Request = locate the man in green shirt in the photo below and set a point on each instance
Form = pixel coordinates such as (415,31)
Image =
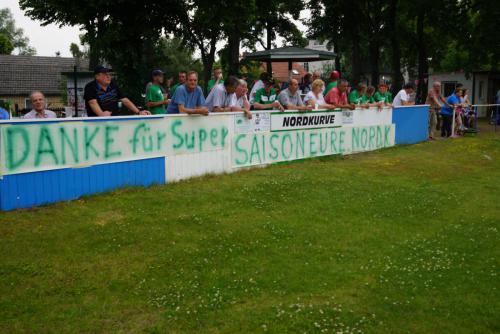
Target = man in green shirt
(383,95)
(182,81)
(266,98)
(155,100)
(334,78)
(216,80)
(358,97)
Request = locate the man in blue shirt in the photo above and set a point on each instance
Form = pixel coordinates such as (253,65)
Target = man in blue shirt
(4,114)
(447,112)
(188,98)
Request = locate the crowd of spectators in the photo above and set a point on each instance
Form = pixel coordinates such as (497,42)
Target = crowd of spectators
(104,98)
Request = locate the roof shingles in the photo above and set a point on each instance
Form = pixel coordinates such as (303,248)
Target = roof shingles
(20,75)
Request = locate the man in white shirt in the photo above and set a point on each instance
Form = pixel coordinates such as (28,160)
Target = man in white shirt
(403,98)
(39,111)
(240,100)
(221,97)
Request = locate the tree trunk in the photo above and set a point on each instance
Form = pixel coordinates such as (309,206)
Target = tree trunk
(234,53)
(337,56)
(269,46)
(374,60)
(423,66)
(356,59)
(208,60)
(397,78)
(93,47)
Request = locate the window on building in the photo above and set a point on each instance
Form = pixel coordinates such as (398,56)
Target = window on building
(306,67)
(27,104)
(448,87)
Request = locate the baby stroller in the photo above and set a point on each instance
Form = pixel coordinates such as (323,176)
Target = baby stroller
(469,116)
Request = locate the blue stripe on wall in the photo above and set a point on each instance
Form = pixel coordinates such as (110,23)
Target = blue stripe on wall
(411,124)
(31,189)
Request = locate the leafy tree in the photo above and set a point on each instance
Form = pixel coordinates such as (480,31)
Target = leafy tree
(477,45)
(129,43)
(6,46)
(19,42)
(273,19)
(175,56)
(201,29)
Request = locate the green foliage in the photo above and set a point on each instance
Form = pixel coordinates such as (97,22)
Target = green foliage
(410,35)
(384,242)
(18,41)
(175,56)
(75,51)
(6,46)
(6,104)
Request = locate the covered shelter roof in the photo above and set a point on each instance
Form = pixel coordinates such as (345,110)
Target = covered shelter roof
(290,54)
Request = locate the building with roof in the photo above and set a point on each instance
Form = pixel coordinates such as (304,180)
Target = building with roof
(323,65)
(482,86)
(21,75)
(280,71)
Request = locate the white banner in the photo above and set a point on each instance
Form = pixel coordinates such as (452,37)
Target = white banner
(42,146)
(266,148)
(305,120)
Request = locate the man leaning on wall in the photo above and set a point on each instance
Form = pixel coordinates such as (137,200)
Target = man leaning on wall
(102,96)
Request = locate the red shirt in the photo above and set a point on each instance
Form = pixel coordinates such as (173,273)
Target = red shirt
(335,97)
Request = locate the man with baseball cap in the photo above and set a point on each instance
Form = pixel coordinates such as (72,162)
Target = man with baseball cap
(155,100)
(334,77)
(102,96)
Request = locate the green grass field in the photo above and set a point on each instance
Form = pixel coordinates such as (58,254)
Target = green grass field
(403,240)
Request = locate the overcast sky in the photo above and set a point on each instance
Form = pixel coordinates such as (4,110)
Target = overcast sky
(46,40)
(50,39)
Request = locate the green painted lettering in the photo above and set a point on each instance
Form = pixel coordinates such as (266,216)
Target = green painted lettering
(213,137)
(88,141)
(109,140)
(255,151)
(241,150)
(189,145)
(160,136)
(72,144)
(274,154)
(300,139)
(341,142)
(379,137)
(224,132)
(290,146)
(202,136)
(13,143)
(173,128)
(355,139)
(322,148)
(371,141)
(364,138)
(312,144)
(45,139)
(387,131)
(333,141)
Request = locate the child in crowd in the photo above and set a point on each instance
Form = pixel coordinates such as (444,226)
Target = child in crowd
(383,95)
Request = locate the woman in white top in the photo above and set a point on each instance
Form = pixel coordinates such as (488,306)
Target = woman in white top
(315,96)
